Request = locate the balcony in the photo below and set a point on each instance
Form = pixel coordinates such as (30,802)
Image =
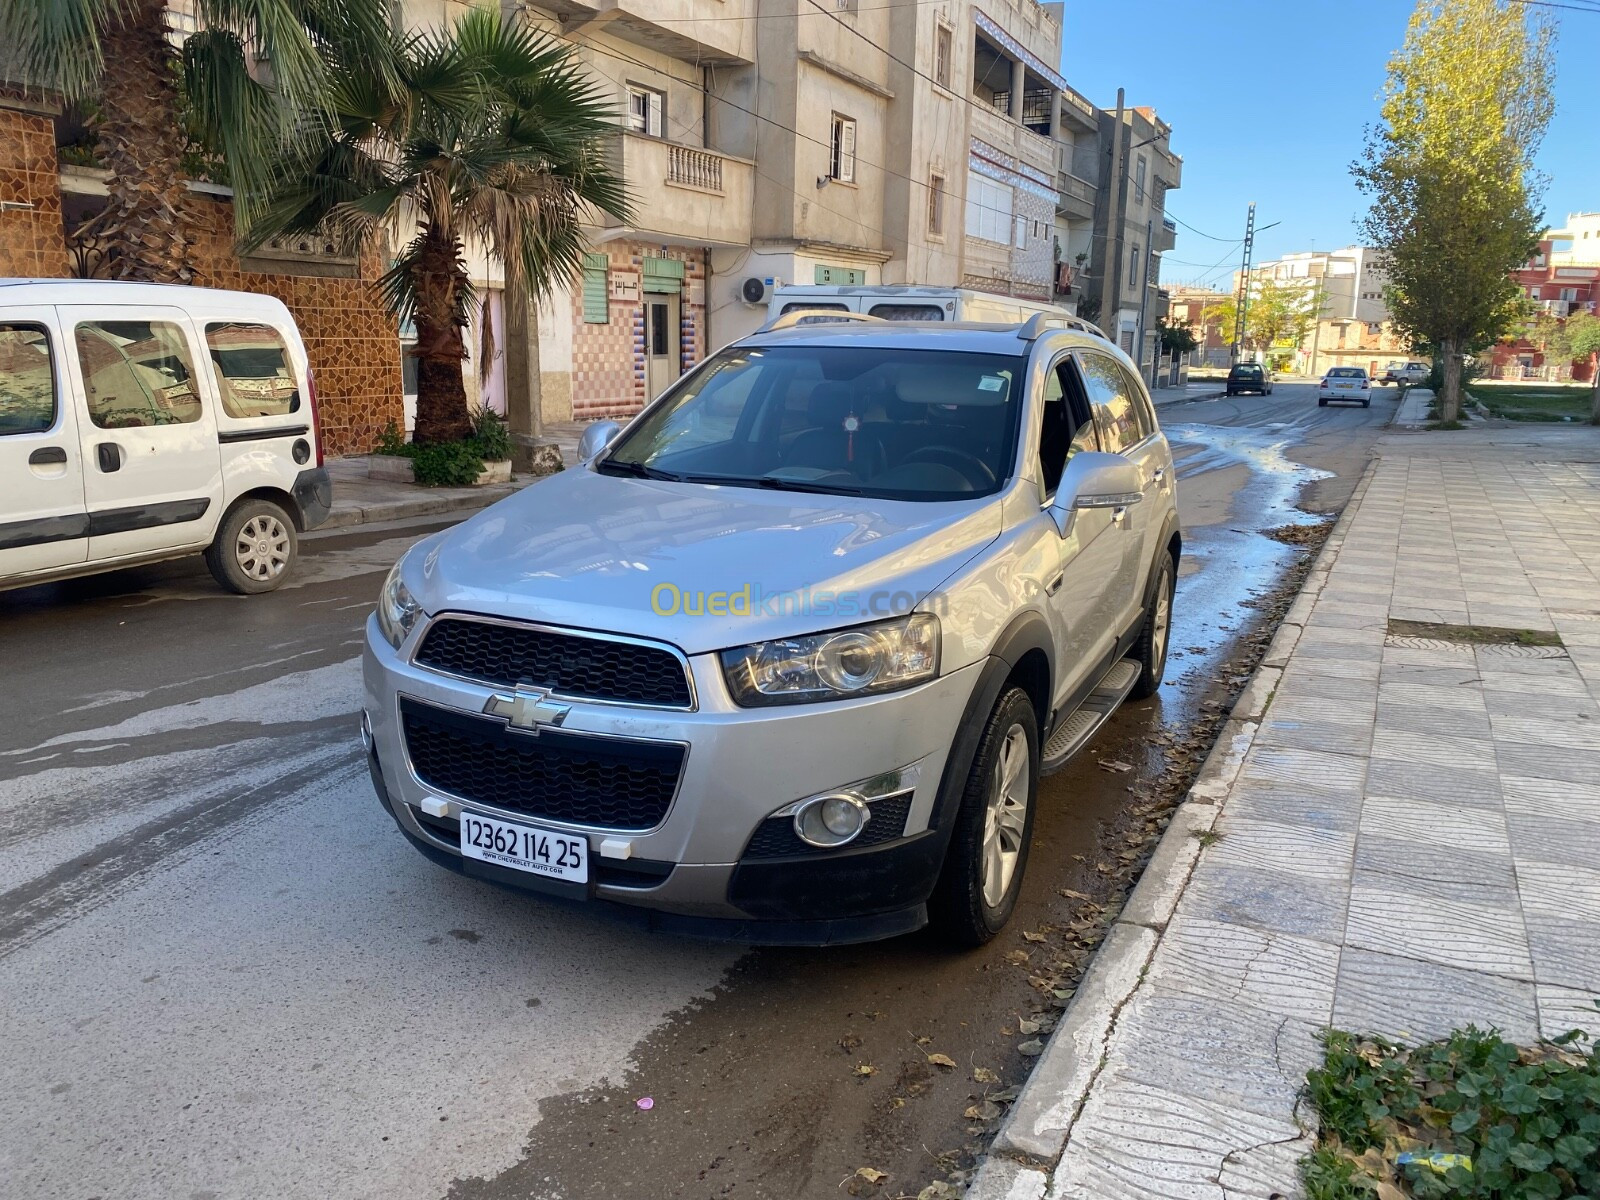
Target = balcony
(708,32)
(685,195)
(1166,237)
(1078,196)
(1005,135)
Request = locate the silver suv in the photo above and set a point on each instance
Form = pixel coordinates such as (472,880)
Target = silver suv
(784,660)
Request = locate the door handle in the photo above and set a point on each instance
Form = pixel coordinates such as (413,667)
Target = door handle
(1054,586)
(48,456)
(1160,476)
(110,456)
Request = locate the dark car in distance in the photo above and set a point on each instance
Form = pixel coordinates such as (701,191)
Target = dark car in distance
(1249,377)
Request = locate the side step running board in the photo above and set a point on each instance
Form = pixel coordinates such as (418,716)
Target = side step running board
(1073,733)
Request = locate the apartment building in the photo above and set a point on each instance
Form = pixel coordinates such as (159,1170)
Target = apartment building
(1561,280)
(1353,326)
(1189,306)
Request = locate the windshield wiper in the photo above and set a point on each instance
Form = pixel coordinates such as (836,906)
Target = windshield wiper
(802,485)
(621,466)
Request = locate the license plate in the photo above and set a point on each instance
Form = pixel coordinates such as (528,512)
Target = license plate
(1346,386)
(525,848)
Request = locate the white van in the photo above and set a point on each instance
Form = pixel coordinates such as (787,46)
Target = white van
(140,422)
(890,302)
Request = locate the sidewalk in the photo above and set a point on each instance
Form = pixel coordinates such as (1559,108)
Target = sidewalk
(358,500)
(1407,839)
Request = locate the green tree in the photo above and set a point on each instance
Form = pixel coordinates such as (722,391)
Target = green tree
(1450,175)
(148,98)
(1579,341)
(1281,313)
(491,133)
(1177,338)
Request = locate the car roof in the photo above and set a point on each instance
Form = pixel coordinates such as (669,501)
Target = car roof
(970,336)
(107,291)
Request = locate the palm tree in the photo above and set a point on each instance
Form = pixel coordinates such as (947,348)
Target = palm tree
(490,133)
(233,83)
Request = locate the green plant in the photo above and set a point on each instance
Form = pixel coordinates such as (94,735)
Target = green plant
(392,442)
(1470,1117)
(491,435)
(446,464)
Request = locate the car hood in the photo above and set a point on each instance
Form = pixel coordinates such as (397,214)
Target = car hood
(656,559)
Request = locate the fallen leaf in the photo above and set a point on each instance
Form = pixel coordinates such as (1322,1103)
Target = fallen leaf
(849,1042)
(988,1110)
(923,1041)
(871,1175)
(1007,1096)
(1072,895)
(865,1069)
(942,1060)
(984,1075)
(1026,1026)
(1017,958)
(1029,936)
(1031,1049)
(1115,765)
(1064,993)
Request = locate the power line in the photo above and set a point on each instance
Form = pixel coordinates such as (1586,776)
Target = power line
(1210,236)
(1553,4)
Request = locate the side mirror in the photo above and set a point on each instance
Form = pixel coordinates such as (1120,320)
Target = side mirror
(596,437)
(1094,480)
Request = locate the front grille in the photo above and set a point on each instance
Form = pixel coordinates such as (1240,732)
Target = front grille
(609,783)
(776,838)
(590,667)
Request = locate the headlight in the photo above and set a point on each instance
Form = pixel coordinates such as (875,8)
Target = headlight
(863,661)
(398,610)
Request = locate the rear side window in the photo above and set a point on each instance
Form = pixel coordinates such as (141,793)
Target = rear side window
(137,373)
(1347,373)
(907,312)
(27,380)
(1117,411)
(254,374)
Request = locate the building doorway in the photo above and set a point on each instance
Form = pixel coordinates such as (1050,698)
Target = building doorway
(662,351)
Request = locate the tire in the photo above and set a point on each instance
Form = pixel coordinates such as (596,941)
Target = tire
(255,548)
(1322,403)
(1156,636)
(983,868)
(1366,404)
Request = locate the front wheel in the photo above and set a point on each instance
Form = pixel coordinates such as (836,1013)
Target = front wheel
(982,874)
(254,548)
(1150,651)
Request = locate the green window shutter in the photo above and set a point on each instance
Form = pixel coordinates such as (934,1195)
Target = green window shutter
(596,310)
(663,275)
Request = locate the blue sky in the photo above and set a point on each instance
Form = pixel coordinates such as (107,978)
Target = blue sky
(1268,100)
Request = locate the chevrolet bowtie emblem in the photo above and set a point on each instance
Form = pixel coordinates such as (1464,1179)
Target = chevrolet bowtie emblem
(529,709)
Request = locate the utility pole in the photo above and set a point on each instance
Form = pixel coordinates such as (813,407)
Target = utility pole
(1111,277)
(1242,305)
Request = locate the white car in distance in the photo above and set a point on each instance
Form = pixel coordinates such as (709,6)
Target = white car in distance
(1347,385)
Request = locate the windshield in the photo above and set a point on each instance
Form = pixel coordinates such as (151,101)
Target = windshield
(844,420)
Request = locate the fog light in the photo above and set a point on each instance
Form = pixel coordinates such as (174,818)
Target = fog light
(827,821)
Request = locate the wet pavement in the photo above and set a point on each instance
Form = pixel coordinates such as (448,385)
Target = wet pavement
(229,977)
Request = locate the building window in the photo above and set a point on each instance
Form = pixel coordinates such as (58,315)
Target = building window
(1133,268)
(936,205)
(988,209)
(1138,179)
(842,155)
(646,110)
(1019,233)
(943,48)
(1533,293)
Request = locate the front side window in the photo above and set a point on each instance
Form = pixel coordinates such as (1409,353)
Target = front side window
(897,424)
(253,371)
(842,162)
(646,110)
(1067,427)
(1117,411)
(27,380)
(137,373)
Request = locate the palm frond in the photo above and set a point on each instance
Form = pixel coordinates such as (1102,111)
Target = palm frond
(55,44)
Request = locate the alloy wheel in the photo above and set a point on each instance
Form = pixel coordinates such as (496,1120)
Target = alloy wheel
(1006,817)
(262,547)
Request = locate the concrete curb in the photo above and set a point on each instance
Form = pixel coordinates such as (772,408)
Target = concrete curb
(1033,1138)
(345,517)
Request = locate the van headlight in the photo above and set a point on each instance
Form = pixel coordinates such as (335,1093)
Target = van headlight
(398,610)
(864,661)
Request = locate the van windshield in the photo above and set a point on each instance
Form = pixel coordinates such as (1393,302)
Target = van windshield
(843,420)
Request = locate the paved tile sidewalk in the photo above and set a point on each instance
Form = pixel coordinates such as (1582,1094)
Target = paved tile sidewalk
(1409,840)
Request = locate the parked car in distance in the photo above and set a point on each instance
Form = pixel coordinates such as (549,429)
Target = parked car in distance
(141,422)
(1249,377)
(784,660)
(1411,373)
(1345,384)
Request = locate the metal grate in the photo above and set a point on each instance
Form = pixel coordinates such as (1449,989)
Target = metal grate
(776,837)
(592,668)
(607,783)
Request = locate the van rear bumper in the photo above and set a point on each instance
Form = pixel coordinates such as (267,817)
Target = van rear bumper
(313,493)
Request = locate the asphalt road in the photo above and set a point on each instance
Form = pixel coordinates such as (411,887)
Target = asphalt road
(226,975)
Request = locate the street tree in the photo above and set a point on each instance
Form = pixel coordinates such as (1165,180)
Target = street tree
(150,98)
(1281,314)
(1179,337)
(1579,341)
(492,135)
(1450,175)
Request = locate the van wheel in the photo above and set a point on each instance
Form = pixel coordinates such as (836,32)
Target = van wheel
(982,875)
(254,548)
(1150,651)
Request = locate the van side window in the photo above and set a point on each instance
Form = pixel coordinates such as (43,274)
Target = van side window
(1117,412)
(254,375)
(907,312)
(137,373)
(27,380)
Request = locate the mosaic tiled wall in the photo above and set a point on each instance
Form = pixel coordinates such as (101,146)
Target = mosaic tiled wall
(608,369)
(30,197)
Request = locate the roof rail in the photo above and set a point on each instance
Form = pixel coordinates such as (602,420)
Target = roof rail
(1042,322)
(816,316)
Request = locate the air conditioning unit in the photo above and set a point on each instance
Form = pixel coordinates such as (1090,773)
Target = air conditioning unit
(756,291)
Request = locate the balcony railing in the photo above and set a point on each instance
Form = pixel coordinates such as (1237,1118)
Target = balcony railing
(687,167)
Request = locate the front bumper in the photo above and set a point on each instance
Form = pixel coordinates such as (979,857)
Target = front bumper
(692,871)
